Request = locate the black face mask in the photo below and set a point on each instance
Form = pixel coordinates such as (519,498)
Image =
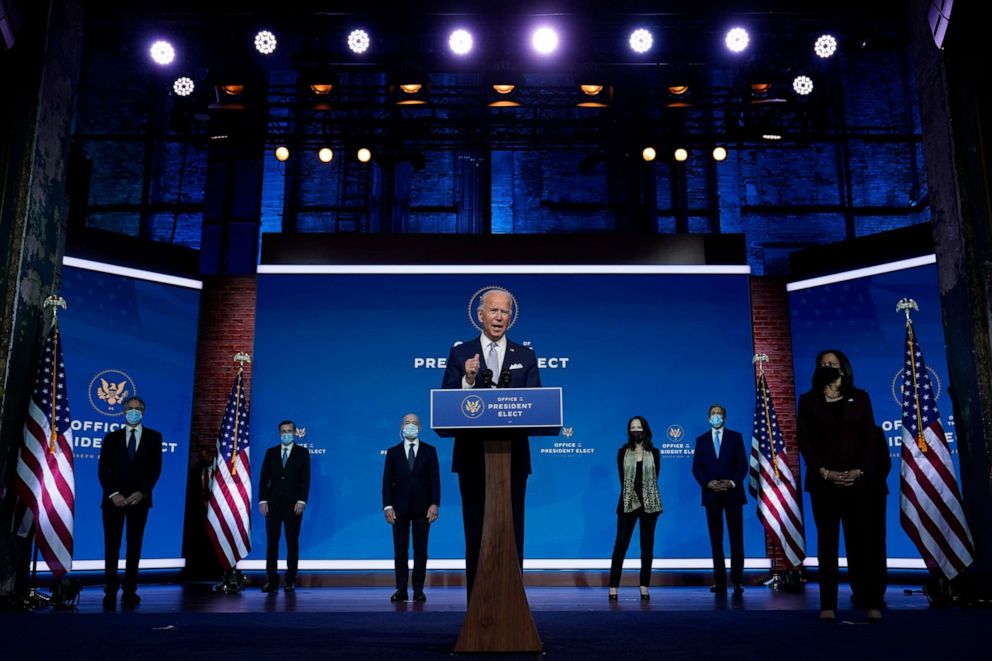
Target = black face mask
(824,375)
(636,436)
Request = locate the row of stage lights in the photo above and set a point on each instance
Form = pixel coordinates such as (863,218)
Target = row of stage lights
(544,40)
(648,154)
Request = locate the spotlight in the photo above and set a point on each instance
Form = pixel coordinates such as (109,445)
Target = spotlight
(648,154)
(825,46)
(460,42)
(641,40)
(325,154)
(183,86)
(803,85)
(162,52)
(282,153)
(364,155)
(681,154)
(544,40)
(265,42)
(736,40)
(359,41)
(719,153)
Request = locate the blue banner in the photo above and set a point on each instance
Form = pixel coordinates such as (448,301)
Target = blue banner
(124,336)
(859,317)
(347,355)
(538,411)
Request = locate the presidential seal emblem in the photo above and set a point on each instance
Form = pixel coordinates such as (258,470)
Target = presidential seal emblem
(475,301)
(675,433)
(897,383)
(108,391)
(472,407)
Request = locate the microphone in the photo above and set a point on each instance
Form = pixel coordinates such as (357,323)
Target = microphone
(504,379)
(487,378)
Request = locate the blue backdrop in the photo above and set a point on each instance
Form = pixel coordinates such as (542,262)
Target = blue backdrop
(346,356)
(141,336)
(859,318)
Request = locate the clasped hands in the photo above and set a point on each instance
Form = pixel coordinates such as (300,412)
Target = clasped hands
(720,485)
(841,478)
(120,501)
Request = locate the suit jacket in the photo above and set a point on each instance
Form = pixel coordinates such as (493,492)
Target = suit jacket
(283,486)
(468,453)
(732,464)
(845,446)
(411,492)
(118,474)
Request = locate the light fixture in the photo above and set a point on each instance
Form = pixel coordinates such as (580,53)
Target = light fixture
(265,42)
(321,89)
(183,86)
(771,136)
(594,95)
(649,154)
(803,85)
(641,40)
(825,46)
(162,52)
(681,154)
(233,89)
(325,154)
(359,41)
(282,153)
(460,42)
(411,88)
(591,90)
(544,40)
(364,155)
(737,40)
(719,153)
(679,96)
(504,89)
(503,81)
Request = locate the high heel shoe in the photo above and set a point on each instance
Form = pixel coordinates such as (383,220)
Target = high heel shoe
(645,596)
(613,596)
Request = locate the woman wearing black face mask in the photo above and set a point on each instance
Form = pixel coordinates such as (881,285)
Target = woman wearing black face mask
(837,436)
(639,464)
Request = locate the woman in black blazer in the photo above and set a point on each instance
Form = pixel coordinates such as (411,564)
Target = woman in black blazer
(838,439)
(639,465)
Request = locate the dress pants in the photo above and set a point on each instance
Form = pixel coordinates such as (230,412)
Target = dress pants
(625,530)
(282,518)
(735,531)
(853,509)
(877,574)
(473,490)
(401,550)
(115,521)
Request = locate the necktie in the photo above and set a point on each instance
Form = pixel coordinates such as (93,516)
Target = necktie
(285,456)
(132,446)
(410,456)
(716,442)
(492,360)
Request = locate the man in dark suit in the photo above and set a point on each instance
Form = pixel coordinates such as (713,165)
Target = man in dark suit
(130,464)
(720,465)
(482,362)
(411,495)
(283,489)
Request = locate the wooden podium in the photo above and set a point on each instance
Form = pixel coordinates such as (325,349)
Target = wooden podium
(498,617)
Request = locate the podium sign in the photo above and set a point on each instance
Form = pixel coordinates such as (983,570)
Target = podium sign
(531,411)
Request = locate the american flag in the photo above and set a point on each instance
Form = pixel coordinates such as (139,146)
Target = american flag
(771,480)
(229,511)
(929,500)
(45,482)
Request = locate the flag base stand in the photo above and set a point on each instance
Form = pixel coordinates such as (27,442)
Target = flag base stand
(787,580)
(233,582)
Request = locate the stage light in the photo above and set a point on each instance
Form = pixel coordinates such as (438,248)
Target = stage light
(282,153)
(803,85)
(359,41)
(681,154)
(825,46)
(162,52)
(364,155)
(641,40)
(719,153)
(265,42)
(771,136)
(183,86)
(411,88)
(648,154)
(504,80)
(737,40)
(325,154)
(460,42)
(504,89)
(678,96)
(233,89)
(321,89)
(591,90)
(544,40)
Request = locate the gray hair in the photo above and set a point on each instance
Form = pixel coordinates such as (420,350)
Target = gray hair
(494,290)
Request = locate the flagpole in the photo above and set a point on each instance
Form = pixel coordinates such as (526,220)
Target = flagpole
(904,305)
(241,358)
(760,359)
(54,302)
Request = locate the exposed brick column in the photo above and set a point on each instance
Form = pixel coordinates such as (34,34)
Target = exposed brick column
(227,326)
(772,335)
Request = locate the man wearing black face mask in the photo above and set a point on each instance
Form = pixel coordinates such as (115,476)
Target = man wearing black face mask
(836,435)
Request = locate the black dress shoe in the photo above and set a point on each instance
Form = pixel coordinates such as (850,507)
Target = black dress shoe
(399,595)
(109,602)
(290,587)
(718,589)
(418,595)
(270,586)
(738,589)
(130,600)
(874,616)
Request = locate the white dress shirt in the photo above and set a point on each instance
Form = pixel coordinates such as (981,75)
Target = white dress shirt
(483,365)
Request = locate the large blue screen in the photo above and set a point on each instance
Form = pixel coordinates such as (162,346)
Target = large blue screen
(124,336)
(346,355)
(859,317)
